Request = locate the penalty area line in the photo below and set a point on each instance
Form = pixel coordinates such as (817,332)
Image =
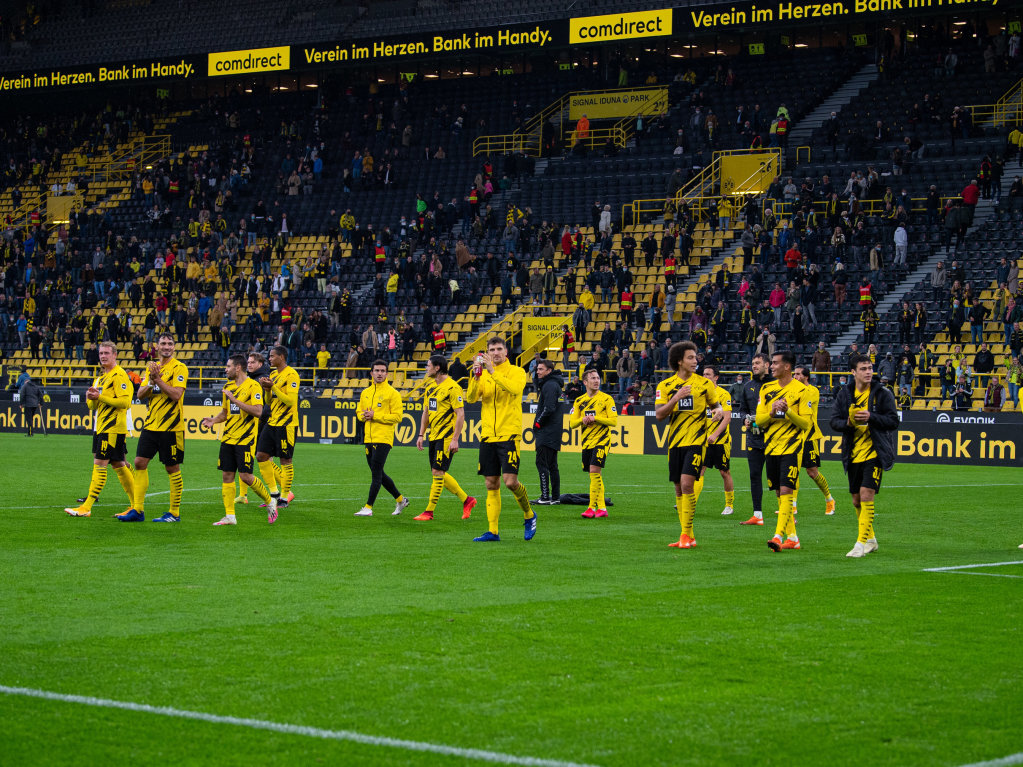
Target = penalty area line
(966,570)
(1005,761)
(494,757)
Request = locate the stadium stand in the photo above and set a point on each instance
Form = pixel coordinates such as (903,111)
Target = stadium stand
(363,217)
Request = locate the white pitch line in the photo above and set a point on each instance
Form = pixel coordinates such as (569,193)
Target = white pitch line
(965,570)
(972,567)
(1005,761)
(495,757)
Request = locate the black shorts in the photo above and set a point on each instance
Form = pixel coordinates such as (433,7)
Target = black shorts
(169,444)
(867,474)
(277,441)
(685,460)
(811,454)
(108,447)
(782,470)
(595,456)
(718,457)
(440,458)
(235,458)
(376,455)
(498,458)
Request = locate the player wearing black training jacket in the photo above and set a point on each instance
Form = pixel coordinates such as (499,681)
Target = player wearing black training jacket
(547,427)
(747,407)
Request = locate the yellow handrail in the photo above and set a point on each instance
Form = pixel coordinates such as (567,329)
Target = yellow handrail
(527,139)
(1007,110)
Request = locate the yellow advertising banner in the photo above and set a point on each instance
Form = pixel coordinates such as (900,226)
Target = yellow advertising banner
(742,173)
(248,61)
(619,26)
(605,105)
(627,438)
(535,328)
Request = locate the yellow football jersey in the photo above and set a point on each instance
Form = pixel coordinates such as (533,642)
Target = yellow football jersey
(813,397)
(500,395)
(863,446)
(284,401)
(781,435)
(602,407)
(240,427)
(442,400)
(166,414)
(725,400)
(688,420)
(115,392)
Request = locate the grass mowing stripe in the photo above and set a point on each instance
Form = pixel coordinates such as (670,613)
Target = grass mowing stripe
(295,729)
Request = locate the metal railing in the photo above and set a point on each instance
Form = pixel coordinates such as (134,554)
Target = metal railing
(783,209)
(1008,110)
(528,138)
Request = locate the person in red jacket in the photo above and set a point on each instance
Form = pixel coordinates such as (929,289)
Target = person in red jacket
(970,195)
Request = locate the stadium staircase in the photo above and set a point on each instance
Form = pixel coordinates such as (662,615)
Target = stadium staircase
(842,96)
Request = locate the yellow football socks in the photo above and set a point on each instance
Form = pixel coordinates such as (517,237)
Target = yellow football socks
(141,488)
(451,485)
(266,468)
(522,496)
(259,488)
(680,507)
(99,478)
(697,489)
(730,498)
(866,521)
(786,525)
(227,491)
(596,491)
(176,486)
(288,472)
(436,488)
(127,482)
(689,511)
(822,483)
(493,509)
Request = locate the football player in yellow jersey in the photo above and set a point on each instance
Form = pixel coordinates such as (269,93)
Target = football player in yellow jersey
(109,398)
(163,433)
(596,414)
(812,447)
(242,407)
(380,409)
(498,385)
(866,417)
(684,400)
(278,436)
(783,414)
(719,440)
(443,415)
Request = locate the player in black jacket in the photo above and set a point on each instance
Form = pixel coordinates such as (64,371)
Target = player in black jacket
(747,407)
(547,432)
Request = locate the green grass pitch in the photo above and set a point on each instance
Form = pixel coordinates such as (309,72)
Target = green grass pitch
(593,644)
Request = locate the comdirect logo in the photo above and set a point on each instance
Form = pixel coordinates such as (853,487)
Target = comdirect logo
(619,26)
(252,60)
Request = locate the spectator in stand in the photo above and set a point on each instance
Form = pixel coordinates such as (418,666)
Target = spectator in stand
(983,365)
(821,363)
(954,320)
(971,196)
(963,396)
(901,239)
(777,300)
(924,364)
(978,313)
(994,396)
(938,280)
(1014,377)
